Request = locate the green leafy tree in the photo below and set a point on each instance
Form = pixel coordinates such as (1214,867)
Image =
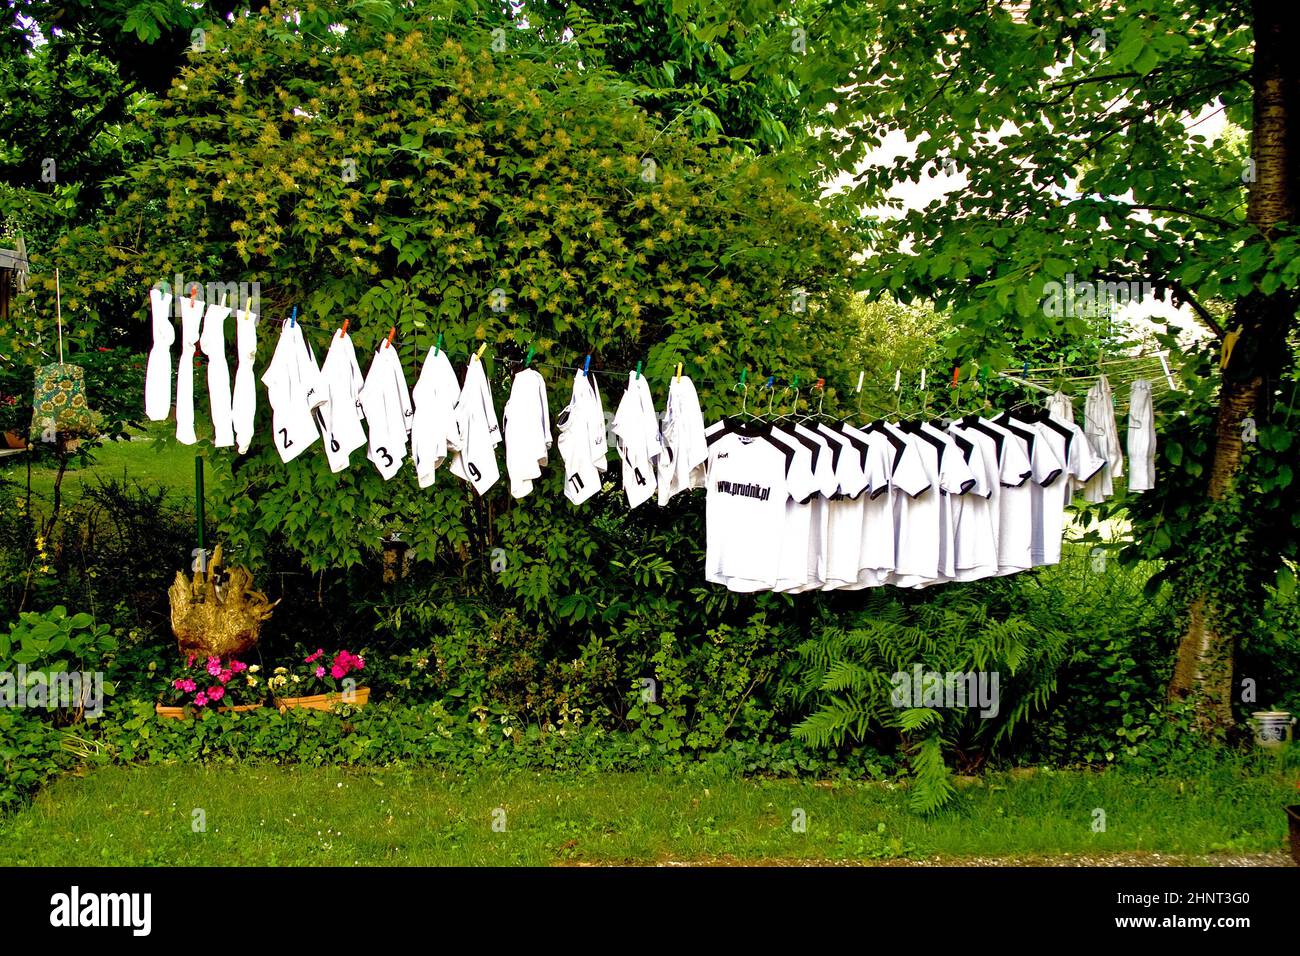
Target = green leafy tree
(1075,132)
(404,173)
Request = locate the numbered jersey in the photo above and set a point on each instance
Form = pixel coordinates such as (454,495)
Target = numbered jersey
(386,401)
(636,435)
(342,416)
(475,432)
(295,391)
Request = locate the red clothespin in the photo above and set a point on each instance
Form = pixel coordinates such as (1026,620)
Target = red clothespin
(391,333)
(194,291)
(821,383)
(344,331)
(956,372)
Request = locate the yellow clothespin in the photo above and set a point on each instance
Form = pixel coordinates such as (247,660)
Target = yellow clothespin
(679,371)
(481,349)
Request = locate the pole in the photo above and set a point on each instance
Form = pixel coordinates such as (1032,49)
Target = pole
(199,518)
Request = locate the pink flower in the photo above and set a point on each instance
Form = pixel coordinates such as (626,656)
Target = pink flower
(225,676)
(178,683)
(359,661)
(188,686)
(214,666)
(216,693)
(189,661)
(200,699)
(311,659)
(320,672)
(336,671)
(238,666)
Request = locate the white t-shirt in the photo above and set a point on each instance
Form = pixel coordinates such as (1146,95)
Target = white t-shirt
(582,440)
(876,553)
(295,390)
(955,479)
(475,433)
(918,547)
(527,425)
(683,461)
(386,402)
(636,436)
(1017,473)
(817,510)
(749,484)
(434,396)
(975,513)
(844,510)
(158,373)
(1081,463)
(342,415)
(243,408)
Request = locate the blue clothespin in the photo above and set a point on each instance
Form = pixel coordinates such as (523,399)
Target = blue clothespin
(1024,373)
(586,366)
(770,380)
(293,317)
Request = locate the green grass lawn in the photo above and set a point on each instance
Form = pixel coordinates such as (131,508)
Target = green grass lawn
(272,815)
(149,462)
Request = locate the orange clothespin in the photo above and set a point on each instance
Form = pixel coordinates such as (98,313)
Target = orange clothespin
(194,291)
(344,331)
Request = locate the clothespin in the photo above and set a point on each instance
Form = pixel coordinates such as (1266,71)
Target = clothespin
(586,366)
(743,373)
(679,371)
(898,379)
(1024,372)
(529,357)
(391,332)
(437,345)
(293,318)
(481,349)
(638,369)
(923,380)
(861,375)
(344,331)
(770,380)
(956,373)
(194,291)
(984,376)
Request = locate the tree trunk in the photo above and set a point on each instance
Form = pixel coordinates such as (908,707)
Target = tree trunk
(1203,669)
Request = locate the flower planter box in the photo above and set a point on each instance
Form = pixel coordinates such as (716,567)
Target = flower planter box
(359,698)
(178,713)
(11,439)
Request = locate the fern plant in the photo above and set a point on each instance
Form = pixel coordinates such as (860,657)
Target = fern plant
(849,677)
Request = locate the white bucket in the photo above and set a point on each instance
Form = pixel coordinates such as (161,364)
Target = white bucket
(1272,727)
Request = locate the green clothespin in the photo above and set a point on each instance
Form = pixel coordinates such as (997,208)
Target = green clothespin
(743,373)
(529,357)
(638,369)
(438,344)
